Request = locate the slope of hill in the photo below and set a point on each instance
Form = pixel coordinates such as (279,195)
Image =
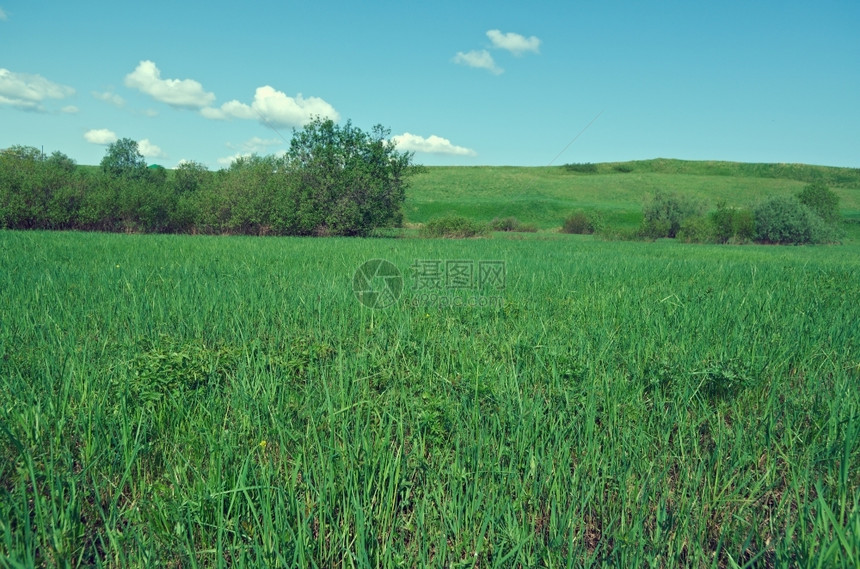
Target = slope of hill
(545,195)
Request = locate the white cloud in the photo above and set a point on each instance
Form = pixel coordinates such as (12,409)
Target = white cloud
(180,93)
(26,91)
(430,145)
(149,150)
(70,110)
(514,43)
(100,136)
(109,97)
(3,16)
(278,109)
(480,59)
(274,108)
(230,109)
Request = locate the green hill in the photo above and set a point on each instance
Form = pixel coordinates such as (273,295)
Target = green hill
(545,195)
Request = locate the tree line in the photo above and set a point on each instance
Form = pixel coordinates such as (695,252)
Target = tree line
(333,180)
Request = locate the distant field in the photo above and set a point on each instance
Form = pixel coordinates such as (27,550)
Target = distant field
(545,195)
(193,401)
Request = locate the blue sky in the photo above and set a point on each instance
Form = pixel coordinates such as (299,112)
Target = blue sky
(461,83)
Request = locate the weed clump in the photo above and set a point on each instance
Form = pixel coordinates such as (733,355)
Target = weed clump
(582,223)
(512,224)
(455,227)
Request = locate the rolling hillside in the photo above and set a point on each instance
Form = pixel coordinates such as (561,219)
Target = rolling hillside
(544,195)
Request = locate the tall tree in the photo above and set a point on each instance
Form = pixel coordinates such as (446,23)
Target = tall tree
(124,160)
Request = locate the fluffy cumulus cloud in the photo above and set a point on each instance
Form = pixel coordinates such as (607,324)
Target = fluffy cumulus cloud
(100,136)
(275,108)
(230,109)
(430,145)
(480,59)
(149,150)
(514,43)
(26,91)
(180,93)
(70,110)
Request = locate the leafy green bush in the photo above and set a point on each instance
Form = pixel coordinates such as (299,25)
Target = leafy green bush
(665,212)
(454,226)
(512,224)
(784,220)
(581,222)
(38,191)
(822,200)
(334,180)
(696,229)
(732,225)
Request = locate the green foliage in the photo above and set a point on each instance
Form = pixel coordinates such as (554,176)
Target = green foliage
(512,224)
(455,226)
(347,182)
(335,180)
(190,176)
(665,212)
(123,160)
(170,369)
(822,200)
(581,168)
(156,175)
(697,229)
(784,220)
(38,192)
(253,196)
(583,223)
(732,225)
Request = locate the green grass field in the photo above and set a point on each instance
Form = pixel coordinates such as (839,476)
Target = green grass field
(228,401)
(189,401)
(545,196)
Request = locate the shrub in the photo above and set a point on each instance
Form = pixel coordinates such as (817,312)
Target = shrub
(512,224)
(696,229)
(744,225)
(455,226)
(665,212)
(732,225)
(37,192)
(784,220)
(582,223)
(821,200)
(586,168)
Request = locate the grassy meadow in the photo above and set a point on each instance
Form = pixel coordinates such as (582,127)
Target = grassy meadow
(205,401)
(545,195)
